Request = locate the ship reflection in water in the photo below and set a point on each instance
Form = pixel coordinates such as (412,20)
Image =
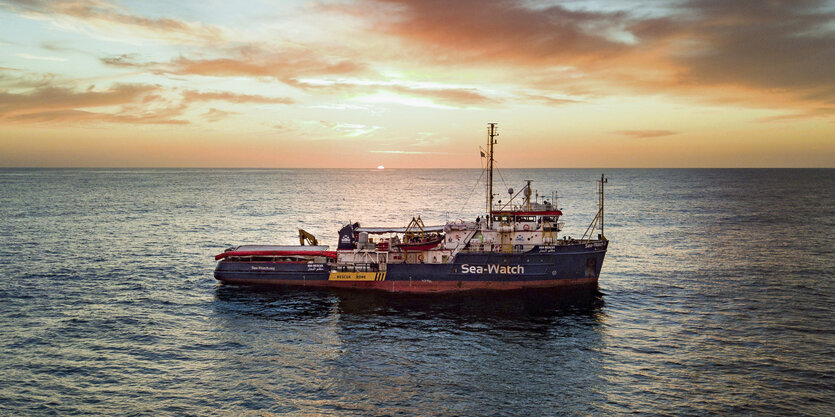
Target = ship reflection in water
(466,354)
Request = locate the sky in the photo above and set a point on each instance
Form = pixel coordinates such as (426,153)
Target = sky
(413,84)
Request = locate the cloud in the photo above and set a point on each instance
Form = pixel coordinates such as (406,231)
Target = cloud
(778,43)
(457,96)
(42,58)
(344,106)
(815,112)
(124,60)
(437,93)
(501,31)
(114,21)
(284,127)
(350,130)
(193,96)
(640,134)
(163,117)
(316,130)
(43,99)
(12,78)
(286,65)
(305,70)
(214,115)
(40,98)
(50,97)
(551,101)
(774,54)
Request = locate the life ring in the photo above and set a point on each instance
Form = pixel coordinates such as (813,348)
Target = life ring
(527,227)
(420,257)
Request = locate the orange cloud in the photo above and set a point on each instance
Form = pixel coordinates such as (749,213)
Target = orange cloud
(110,18)
(699,48)
(551,101)
(214,115)
(285,66)
(192,96)
(296,68)
(165,116)
(456,96)
(40,98)
(501,32)
(249,61)
(48,97)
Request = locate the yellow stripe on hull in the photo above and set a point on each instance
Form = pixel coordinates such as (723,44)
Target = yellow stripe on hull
(357,276)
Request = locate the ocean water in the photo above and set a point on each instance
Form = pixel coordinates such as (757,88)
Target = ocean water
(716,298)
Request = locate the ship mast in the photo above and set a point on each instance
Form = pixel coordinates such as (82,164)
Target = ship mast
(597,222)
(603,180)
(491,140)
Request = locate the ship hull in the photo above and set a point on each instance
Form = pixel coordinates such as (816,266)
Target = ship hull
(562,266)
(436,286)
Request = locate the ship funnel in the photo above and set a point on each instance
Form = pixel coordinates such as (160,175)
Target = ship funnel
(347,237)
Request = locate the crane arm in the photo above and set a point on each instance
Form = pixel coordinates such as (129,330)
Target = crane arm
(309,238)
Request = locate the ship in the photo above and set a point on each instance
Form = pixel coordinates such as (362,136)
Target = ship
(512,246)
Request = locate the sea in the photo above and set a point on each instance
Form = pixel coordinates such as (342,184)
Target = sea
(716,297)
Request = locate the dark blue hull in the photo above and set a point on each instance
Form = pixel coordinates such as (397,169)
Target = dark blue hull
(577,264)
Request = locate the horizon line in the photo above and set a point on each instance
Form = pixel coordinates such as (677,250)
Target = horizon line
(399,168)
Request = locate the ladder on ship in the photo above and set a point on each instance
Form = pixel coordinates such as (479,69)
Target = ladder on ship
(462,243)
